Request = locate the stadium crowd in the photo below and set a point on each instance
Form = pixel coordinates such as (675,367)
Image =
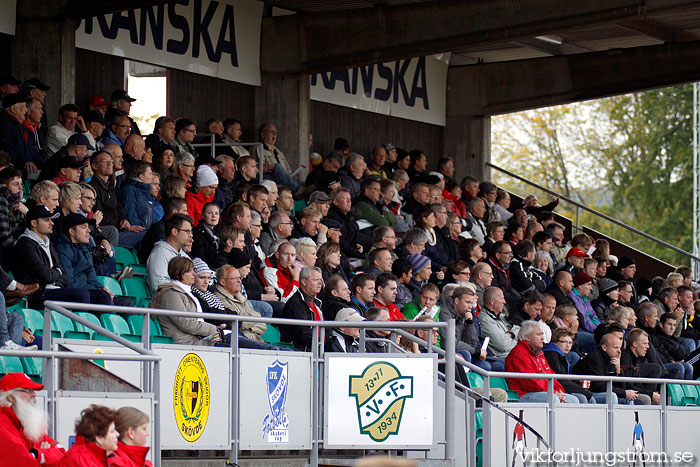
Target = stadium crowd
(380,237)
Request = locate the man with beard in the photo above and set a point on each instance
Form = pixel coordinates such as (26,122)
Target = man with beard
(23,425)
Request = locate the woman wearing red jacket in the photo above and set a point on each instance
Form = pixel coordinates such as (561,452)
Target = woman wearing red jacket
(132,425)
(96,438)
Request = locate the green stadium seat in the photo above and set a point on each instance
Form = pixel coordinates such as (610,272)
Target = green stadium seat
(33,368)
(17,306)
(690,394)
(10,365)
(90,317)
(119,326)
(136,288)
(65,326)
(675,395)
(124,257)
(498,382)
(111,284)
(475,380)
(33,319)
(273,337)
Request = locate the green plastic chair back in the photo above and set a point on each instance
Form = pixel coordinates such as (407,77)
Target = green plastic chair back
(111,284)
(33,319)
(136,287)
(90,317)
(33,368)
(690,394)
(501,383)
(115,323)
(10,365)
(675,394)
(273,337)
(65,326)
(124,257)
(475,380)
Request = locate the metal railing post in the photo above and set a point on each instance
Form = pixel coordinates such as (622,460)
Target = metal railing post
(486,424)
(450,422)
(578,219)
(610,407)
(314,397)
(235,394)
(551,401)
(156,414)
(49,369)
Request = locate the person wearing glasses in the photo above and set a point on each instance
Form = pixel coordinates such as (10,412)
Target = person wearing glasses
(556,352)
(185,132)
(499,259)
(117,131)
(178,241)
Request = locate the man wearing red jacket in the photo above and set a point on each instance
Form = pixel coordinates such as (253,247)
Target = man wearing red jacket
(281,274)
(23,425)
(527,357)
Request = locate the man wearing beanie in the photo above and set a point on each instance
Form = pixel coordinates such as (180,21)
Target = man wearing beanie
(608,298)
(422,269)
(262,299)
(588,320)
(206,187)
(624,271)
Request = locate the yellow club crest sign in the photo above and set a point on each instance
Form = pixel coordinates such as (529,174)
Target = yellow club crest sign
(380,392)
(191,397)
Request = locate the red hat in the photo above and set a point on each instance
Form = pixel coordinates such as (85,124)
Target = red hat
(98,101)
(18,380)
(576,252)
(581,278)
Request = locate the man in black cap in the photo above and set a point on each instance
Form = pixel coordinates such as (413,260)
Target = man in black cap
(11,134)
(96,124)
(69,170)
(36,262)
(8,85)
(33,87)
(71,245)
(122,101)
(76,149)
(331,163)
(342,146)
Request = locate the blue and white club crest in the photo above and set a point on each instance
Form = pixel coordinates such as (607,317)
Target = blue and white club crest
(276,423)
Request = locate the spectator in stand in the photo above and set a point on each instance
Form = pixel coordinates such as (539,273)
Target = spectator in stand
(96,125)
(206,187)
(422,270)
(376,165)
(122,102)
(648,320)
(275,165)
(557,352)
(386,286)
(310,226)
(561,287)
(163,133)
(634,363)
(64,128)
(446,166)
(171,205)
(419,197)
(134,149)
(542,270)
(500,257)
(351,174)
(470,189)
(205,242)
(175,293)
(23,424)
(514,233)
(279,228)
(379,261)
(444,251)
(306,251)
(280,272)
(413,243)
(458,272)
(353,243)
(529,309)
(8,85)
(488,192)
(77,262)
(34,143)
(36,262)
(12,208)
(336,296)
(96,438)
(605,361)
(669,345)
(226,173)
(257,199)
(98,104)
(178,241)
(118,129)
(363,291)
(502,205)
(11,133)
(575,259)
(493,322)
(475,216)
(184,166)
(384,237)
(418,171)
(520,269)
(608,294)
(403,270)
(481,277)
(135,196)
(228,290)
(321,202)
(531,205)
(533,228)
(330,261)
(76,149)
(303,304)
(185,133)
(470,251)
(559,250)
(426,303)
(174,187)
(247,170)
(132,449)
(330,165)
(468,342)
(345,339)
(232,133)
(527,357)
(370,206)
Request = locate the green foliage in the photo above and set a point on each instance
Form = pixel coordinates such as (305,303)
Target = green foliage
(627,156)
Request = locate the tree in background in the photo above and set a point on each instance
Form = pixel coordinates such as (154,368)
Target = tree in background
(628,156)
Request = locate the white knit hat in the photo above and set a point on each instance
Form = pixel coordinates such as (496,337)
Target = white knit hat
(206,176)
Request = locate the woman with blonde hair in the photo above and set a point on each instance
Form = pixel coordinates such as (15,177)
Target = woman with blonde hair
(132,425)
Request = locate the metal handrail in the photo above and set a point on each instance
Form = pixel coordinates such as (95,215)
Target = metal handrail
(597,213)
(212,145)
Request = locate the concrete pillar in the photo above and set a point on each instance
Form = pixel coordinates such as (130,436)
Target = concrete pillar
(468,140)
(44,47)
(284,100)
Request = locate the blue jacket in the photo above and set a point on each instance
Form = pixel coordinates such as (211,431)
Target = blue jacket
(77,264)
(136,198)
(12,139)
(108,137)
